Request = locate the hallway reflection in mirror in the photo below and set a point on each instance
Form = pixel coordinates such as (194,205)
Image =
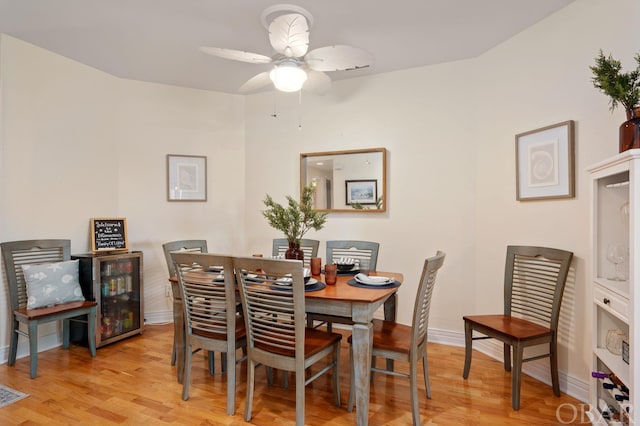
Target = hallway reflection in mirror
(333,175)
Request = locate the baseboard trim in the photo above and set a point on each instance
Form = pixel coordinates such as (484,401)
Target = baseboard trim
(54,340)
(45,343)
(157,318)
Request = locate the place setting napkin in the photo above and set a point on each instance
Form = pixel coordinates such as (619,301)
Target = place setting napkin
(363,280)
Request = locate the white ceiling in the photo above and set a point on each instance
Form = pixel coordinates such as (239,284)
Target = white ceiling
(158,40)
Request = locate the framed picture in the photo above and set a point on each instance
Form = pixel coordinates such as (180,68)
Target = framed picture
(361,191)
(545,163)
(186,178)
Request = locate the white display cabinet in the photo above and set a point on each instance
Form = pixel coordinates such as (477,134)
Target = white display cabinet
(615,186)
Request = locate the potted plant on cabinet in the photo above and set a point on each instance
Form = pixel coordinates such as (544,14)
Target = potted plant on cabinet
(295,220)
(624,89)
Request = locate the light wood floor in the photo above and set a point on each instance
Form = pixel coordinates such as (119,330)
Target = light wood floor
(132,382)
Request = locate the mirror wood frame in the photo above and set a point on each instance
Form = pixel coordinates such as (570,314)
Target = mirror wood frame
(382,174)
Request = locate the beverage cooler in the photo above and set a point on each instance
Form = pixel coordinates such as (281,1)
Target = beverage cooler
(115,282)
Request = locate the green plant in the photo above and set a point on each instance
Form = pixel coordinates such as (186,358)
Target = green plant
(296,219)
(622,88)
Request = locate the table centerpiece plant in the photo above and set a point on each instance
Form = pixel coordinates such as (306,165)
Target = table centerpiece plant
(294,220)
(623,88)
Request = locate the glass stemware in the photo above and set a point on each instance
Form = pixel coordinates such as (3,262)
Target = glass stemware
(624,213)
(616,255)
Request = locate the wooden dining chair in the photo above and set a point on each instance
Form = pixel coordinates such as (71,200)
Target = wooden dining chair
(188,246)
(208,286)
(534,281)
(365,253)
(399,342)
(309,247)
(273,301)
(15,255)
(183,246)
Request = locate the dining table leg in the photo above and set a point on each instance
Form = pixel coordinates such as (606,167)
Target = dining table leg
(390,310)
(178,330)
(362,340)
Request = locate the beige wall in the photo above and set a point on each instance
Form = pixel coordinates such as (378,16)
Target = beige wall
(55,140)
(77,143)
(156,120)
(537,78)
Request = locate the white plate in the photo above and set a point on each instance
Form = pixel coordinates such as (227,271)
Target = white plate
(285,282)
(375,281)
(375,284)
(254,278)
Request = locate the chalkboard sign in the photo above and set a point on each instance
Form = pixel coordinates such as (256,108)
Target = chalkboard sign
(109,234)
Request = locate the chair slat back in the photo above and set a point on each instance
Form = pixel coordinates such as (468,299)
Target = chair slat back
(189,246)
(423,299)
(535,279)
(207,282)
(365,252)
(29,252)
(309,247)
(274,312)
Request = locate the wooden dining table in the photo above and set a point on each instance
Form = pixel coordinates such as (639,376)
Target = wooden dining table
(359,304)
(341,299)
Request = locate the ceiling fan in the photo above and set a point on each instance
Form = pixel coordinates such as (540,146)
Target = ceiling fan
(294,66)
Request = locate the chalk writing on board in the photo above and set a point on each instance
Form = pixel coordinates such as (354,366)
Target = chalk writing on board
(109,234)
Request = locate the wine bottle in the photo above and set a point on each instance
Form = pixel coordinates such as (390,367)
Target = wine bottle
(616,381)
(618,395)
(604,409)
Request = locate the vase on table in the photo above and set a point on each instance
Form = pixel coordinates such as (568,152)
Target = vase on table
(294,252)
(630,130)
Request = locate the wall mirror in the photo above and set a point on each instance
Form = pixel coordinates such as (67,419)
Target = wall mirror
(347,181)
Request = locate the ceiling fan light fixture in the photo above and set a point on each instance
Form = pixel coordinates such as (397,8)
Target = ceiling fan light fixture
(288,77)
(294,66)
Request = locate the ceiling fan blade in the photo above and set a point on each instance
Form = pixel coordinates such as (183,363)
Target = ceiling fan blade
(338,58)
(236,55)
(289,35)
(256,82)
(317,82)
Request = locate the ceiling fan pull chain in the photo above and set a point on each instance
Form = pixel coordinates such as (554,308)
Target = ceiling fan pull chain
(275,105)
(299,109)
